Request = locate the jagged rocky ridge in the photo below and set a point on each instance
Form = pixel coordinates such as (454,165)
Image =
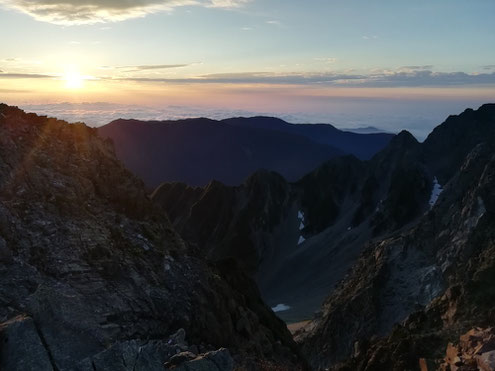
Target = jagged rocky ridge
(94,277)
(414,258)
(413,292)
(299,239)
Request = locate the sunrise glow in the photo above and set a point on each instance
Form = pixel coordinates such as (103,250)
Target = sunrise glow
(382,64)
(73,80)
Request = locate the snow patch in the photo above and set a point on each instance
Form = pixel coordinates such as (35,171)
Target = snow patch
(435,192)
(280,308)
(300,216)
(481,207)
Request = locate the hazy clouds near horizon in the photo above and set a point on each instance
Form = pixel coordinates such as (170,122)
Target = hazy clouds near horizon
(391,116)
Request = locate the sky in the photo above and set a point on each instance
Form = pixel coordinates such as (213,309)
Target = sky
(386,63)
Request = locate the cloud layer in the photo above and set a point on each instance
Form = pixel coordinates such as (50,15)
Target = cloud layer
(410,77)
(73,12)
(146,67)
(419,117)
(5,75)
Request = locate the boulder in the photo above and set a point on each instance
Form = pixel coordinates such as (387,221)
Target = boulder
(475,351)
(486,361)
(21,347)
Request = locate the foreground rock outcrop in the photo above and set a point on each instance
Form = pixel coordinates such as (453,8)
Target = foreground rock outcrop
(94,277)
(475,351)
(420,288)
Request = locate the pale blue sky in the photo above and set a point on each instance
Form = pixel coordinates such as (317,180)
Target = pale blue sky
(281,35)
(246,54)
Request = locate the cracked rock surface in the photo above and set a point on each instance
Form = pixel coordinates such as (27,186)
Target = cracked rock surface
(93,277)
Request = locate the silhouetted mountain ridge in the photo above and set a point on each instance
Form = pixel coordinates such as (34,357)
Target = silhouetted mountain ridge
(361,145)
(196,151)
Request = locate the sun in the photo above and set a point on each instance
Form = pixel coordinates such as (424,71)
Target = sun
(73,80)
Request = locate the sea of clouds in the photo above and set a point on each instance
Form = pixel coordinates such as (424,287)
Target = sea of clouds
(416,118)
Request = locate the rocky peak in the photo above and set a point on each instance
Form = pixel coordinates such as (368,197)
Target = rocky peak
(404,147)
(449,143)
(324,191)
(92,275)
(487,109)
(227,222)
(432,278)
(404,140)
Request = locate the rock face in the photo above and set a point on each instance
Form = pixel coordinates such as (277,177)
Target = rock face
(403,242)
(299,239)
(21,333)
(229,222)
(475,351)
(423,286)
(94,277)
(157,355)
(197,151)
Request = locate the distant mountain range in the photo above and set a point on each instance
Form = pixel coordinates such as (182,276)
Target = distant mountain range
(364,130)
(196,151)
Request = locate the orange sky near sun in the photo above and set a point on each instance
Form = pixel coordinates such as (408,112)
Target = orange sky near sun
(72,87)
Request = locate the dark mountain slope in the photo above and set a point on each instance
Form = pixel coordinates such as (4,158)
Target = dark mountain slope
(436,275)
(400,168)
(332,214)
(363,146)
(229,222)
(299,239)
(92,275)
(196,151)
(323,190)
(357,201)
(449,143)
